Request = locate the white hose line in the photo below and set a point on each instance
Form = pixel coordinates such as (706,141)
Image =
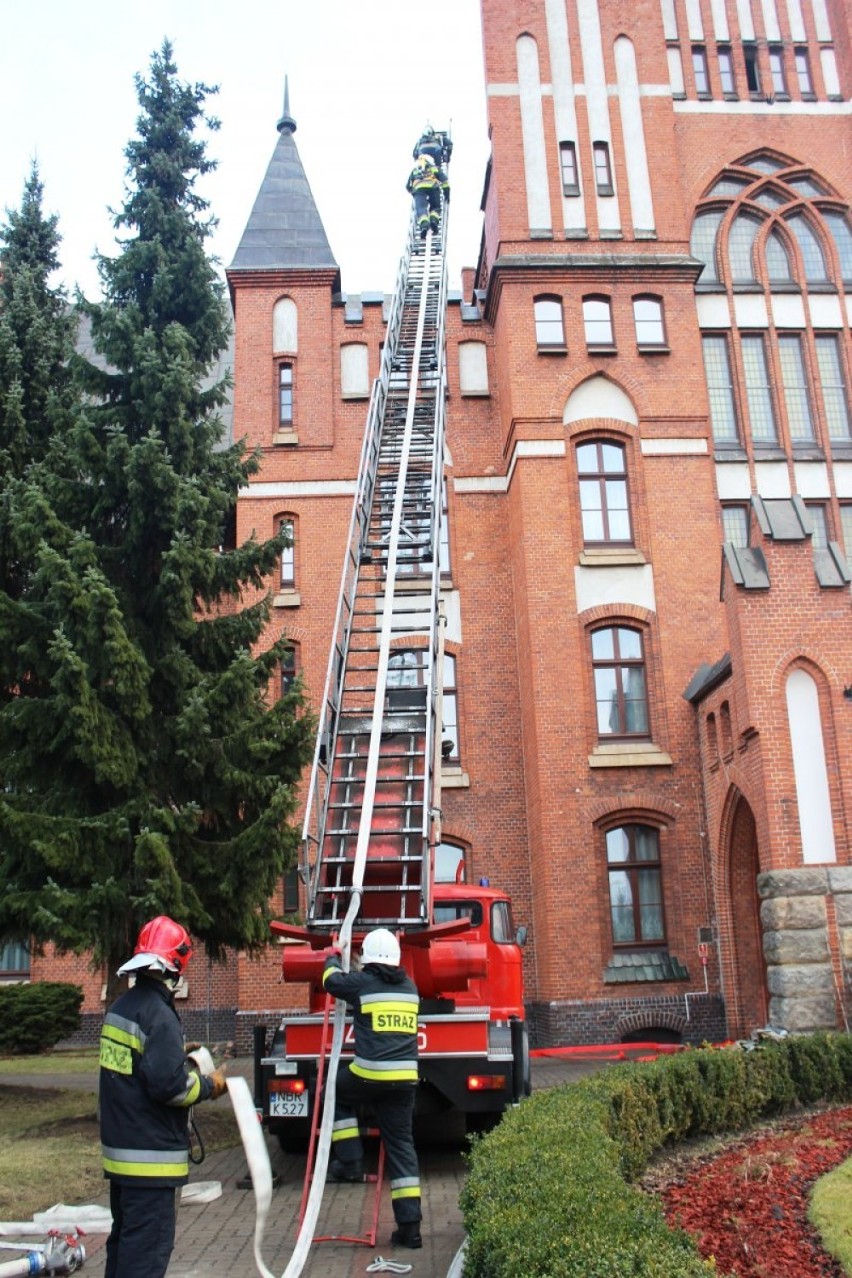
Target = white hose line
(257,1155)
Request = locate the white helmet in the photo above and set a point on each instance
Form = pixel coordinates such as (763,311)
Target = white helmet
(380,946)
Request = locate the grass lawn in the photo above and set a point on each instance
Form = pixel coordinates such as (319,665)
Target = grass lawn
(78,1062)
(50,1147)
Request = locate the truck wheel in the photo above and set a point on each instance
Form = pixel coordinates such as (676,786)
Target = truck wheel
(526,1068)
(294,1138)
(477,1124)
(521,1069)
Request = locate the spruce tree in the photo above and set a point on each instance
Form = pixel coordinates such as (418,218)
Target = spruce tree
(37,329)
(149,764)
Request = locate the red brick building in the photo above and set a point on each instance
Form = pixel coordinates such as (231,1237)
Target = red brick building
(648,507)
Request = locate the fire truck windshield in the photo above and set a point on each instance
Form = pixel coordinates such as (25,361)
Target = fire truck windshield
(447,913)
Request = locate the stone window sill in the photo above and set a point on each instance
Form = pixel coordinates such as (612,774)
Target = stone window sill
(610,556)
(629,754)
(288,437)
(287,599)
(454,777)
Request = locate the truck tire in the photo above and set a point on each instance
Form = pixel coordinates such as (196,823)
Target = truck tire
(294,1138)
(521,1068)
(478,1124)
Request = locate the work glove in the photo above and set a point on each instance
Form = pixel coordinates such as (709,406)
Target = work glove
(217,1080)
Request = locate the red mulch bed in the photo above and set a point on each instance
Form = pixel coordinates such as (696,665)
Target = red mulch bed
(748,1205)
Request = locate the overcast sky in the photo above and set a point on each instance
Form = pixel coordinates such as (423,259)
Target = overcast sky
(364,77)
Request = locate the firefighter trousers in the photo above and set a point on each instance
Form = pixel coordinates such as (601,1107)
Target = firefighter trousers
(392,1105)
(143,1231)
(427,207)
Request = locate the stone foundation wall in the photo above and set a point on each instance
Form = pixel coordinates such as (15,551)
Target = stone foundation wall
(796,944)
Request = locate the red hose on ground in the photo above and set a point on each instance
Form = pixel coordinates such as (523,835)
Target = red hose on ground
(611,1051)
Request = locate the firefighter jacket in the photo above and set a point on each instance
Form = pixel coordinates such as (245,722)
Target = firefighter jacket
(384,1002)
(436,145)
(427,177)
(146,1089)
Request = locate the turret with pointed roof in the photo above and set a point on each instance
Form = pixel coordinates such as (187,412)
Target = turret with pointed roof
(285,231)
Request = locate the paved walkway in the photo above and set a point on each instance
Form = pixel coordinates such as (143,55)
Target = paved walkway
(217,1238)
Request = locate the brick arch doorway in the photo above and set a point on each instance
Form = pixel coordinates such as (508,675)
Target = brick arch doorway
(748,999)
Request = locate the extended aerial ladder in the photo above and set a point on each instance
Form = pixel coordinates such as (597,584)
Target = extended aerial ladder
(372,819)
(372,809)
(372,812)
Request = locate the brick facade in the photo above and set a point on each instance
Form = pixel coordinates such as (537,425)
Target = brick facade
(711,781)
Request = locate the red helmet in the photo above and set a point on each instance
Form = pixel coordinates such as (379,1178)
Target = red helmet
(163,944)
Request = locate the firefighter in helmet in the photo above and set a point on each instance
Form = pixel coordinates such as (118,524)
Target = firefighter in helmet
(147,1086)
(428,184)
(382,1075)
(436,145)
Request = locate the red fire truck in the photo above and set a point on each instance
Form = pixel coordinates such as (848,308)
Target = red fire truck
(473,1043)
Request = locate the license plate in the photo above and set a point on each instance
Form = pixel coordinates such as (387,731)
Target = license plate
(283,1106)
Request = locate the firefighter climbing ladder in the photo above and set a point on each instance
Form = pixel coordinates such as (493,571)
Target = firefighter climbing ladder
(373,810)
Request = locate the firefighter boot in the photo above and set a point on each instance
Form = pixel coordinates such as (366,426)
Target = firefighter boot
(407,1235)
(351,1172)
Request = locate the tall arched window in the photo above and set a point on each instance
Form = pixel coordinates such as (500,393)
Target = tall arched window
(286,524)
(649,323)
(450,712)
(635,885)
(597,322)
(776,363)
(741,240)
(289,667)
(285,326)
(449,863)
(809,768)
(702,243)
(813,258)
(604,504)
(777,259)
(549,325)
(618,662)
(838,225)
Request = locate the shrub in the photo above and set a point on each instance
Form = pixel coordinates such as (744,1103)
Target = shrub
(34,1017)
(548,1193)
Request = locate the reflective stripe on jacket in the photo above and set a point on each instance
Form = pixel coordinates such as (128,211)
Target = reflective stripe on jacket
(384,1002)
(146,1089)
(426,179)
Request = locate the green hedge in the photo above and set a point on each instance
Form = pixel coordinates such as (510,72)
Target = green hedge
(34,1017)
(548,1192)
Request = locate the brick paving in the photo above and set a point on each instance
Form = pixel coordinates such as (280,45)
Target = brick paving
(217,1238)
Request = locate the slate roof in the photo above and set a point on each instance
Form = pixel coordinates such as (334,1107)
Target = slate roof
(285,229)
(653,966)
(706,678)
